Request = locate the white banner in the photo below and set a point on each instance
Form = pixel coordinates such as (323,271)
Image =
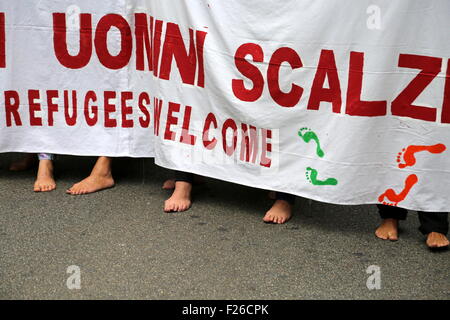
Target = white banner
(341,101)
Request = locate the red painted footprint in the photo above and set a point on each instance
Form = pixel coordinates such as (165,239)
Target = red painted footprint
(394,197)
(407,154)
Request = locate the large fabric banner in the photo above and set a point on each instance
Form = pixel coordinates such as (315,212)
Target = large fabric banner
(342,101)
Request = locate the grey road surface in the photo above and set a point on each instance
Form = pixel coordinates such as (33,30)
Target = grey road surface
(126,247)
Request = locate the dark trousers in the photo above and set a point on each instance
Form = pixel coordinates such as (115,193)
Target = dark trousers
(189,177)
(429,221)
(286,197)
(184,176)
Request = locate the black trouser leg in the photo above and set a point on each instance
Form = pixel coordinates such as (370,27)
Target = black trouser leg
(390,212)
(184,176)
(433,222)
(286,197)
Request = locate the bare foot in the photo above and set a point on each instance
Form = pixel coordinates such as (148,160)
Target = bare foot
(388,230)
(169,184)
(280,212)
(44,181)
(92,184)
(437,240)
(27,162)
(100,179)
(180,199)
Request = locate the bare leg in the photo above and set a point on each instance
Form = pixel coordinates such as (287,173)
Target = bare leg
(100,178)
(180,199)
(280,212)
(23,164)
(388,230)
(45,181)
(437,240)
(169,184)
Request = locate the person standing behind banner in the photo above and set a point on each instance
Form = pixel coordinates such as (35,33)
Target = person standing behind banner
(25,163)
(432,224)
(100,178)
(45,181)
(180,200)
(281,210)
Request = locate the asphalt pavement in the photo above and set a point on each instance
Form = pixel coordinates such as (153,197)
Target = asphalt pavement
(123,245)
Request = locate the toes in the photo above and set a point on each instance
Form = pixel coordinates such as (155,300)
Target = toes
(393,237)
(380,235)
(431,244)
(168,207)
(44,187)
(437,241)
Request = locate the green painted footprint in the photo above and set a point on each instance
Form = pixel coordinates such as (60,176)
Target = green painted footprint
(311,175)
(307,135)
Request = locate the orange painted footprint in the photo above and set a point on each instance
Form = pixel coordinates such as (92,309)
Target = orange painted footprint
(394,197)
(406,158)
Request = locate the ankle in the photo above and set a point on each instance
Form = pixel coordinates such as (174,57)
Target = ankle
(390,221)
(101,172)
(283,204)
(46,165)
(183,188)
